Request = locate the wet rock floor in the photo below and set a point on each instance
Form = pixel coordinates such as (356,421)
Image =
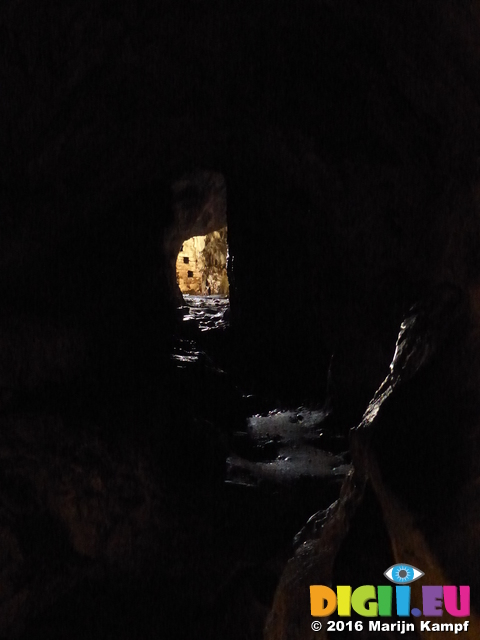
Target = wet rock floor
(275,447)
(193,540)
(280,465)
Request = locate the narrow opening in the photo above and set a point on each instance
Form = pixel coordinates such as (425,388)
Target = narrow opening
(202,265)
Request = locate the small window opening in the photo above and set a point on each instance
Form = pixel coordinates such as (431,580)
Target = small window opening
(186,259)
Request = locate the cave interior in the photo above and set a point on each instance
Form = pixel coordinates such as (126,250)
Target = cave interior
(160,458)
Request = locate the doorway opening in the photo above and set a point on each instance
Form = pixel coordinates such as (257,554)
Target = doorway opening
(196,250)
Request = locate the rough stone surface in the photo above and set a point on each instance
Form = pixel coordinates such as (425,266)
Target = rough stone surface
(69,504)
(409,451)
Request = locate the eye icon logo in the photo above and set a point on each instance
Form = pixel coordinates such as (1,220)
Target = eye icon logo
(403,574)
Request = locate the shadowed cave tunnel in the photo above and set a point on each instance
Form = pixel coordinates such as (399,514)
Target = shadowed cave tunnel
(156,478)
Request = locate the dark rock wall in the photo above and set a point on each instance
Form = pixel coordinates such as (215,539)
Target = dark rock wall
(412,496)
(347,135)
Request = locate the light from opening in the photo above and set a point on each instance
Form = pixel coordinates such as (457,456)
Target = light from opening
(202,265)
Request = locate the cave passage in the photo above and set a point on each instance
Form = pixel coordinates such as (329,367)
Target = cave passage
(178,460)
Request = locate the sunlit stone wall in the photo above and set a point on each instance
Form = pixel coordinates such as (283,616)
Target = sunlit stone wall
(190,266)
(201,265)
